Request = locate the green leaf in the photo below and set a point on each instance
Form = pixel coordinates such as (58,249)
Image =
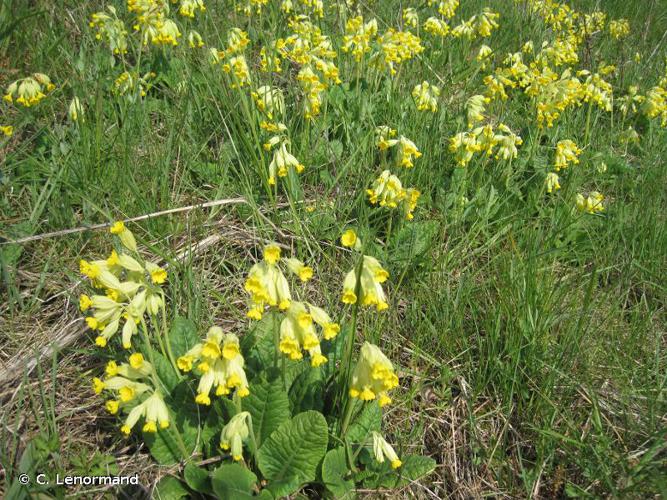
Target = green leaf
(232,481)
(268,406)
(368,420)
(165,371)
(334,470)
(170,488)
(292,453)
(306,391)
(259,343)
(165,445)
(197,478)
(414,240)
(182,336)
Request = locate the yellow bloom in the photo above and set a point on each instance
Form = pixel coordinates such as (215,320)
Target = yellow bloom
(299,269)
(566,152)
(591,204)
(349,238)
(125,235)
(234,434)
(219,364)
(298,333)
(75,110)
(382,450)
(29,91)
(373,376)
(426,96)
(372,277)
(7,130)
(551,182)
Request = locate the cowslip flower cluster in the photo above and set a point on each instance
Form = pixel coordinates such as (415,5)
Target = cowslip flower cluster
(552,182)
(134,393)
(502,142)
(358,36)
(388,191)
(131,290)
(268,286)
(370,281)
(219,364)
(234,434)
(383,450)
(298,333)
(426,96)
(29,91)
(373,376)
(111,29)
(566,152)
(590,204)
(396,47)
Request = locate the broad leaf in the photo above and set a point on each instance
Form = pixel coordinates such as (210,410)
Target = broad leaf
(334,472)
(170,488)
(165,371)
(197,478)
(232,481)
(307,390)
(369,419)
(182,336)
(268,406)
(291,455)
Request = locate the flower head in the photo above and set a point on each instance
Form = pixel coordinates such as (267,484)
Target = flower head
(373,376)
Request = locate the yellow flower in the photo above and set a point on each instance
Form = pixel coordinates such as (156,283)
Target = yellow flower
(299,269)
(426,96)
(125,235)
(234,434)
(195,40)
(29,91)
(475,108)
(551,182)
(382,450)
(619,28)
(373,376)
(591,204)
(7,130)
(566,152)
(75,110)
(188,7)
(410,17)
(298,333)
(272,254)
(349,238)
(372,277)
(219,364)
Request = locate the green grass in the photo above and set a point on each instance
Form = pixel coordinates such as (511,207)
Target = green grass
(530,338)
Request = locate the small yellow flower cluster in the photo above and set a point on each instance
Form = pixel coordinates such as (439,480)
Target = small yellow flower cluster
(387,191)
(235,64)
(234,433)
(373,376)
(29,91)
(111,29)
(655,103)
(370,283)
(619,28)
(298,333)
(566,152)
(131,287)
(188,8)
(382,450)
(134,392)
(7,130)
(219,363)
(502,142)
(426,96)
(131,84)
(591,204)
(359,36)
(396,47)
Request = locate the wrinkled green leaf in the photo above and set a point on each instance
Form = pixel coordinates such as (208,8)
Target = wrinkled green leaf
(369,419)
(170,488)
(197,478)
(334,472)
(182,336)
(292,453)
(268,406)
(233,481)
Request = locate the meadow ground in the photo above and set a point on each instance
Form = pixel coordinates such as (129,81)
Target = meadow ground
(526,323)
